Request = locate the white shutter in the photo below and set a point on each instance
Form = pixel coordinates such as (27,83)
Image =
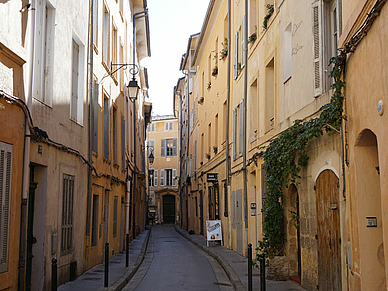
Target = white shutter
(234,133)
(317,47)
(240,129)
(174,177)
(163,148)
(171,126)
(243,41)
(162,177)
(5,195)
(155,178)
(174,147)
(236,55)
(190,84)
(166,126)
(74,82)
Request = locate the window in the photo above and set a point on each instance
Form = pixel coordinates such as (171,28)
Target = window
(236,60)
(169,126)
(287,52)
(106,127)
(95,22)
(95,221)
(114,133)
(105,39)
(153,178)
(224,113)
(151,127)
(169,147)
(67,214)
(114,49)
(123,142)
(253,107)
(6,151)
(121,61)
(95,117)
(269,96)
(44,52)
(170,177)
(74,81)
(162,178)
(121,7)
(115,201)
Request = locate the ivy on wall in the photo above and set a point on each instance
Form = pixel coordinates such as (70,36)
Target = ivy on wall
(286,154)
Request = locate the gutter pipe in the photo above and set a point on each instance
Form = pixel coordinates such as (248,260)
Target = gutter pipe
(226,213)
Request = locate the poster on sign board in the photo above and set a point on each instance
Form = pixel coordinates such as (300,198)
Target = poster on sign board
(213,229)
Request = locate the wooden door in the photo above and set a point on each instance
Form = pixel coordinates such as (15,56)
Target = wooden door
(328,228)
(169,209)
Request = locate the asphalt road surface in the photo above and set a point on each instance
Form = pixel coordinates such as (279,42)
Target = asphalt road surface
(173,263)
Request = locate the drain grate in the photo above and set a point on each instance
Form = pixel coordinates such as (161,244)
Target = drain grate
(221,284)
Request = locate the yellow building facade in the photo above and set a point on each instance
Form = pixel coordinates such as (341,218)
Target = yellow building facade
(163,142)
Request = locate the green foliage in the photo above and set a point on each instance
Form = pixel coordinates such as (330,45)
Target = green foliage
(286,154)
(224,51)
(270,11)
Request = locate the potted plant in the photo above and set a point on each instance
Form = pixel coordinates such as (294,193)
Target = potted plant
(215,71)
(270,11)
(224,51)
(252,38)
(215,150)
(207,156)
(201,100)
(209,85)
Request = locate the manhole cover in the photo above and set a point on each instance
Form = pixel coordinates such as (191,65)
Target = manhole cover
(221,284)
(91,279)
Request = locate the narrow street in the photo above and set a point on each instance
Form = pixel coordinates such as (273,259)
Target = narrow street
(173,263)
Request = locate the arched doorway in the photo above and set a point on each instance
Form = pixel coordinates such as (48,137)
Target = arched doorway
(168,209)
(368,193)
(328,230)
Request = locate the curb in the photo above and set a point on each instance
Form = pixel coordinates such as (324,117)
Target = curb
(127,276)
(234,279)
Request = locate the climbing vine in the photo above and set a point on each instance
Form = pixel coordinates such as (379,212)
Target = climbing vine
(286,154)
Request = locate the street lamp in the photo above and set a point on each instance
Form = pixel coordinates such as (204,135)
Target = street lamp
(133,89)
(151,157)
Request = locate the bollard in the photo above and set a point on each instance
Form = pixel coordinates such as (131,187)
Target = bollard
(127,250)
(106,265)
(262,272)
(54,274)
(250,267)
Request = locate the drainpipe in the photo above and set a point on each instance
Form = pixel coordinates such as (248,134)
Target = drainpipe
(91,123)
(180,156)
(227,129)
(26,154)
(187,147)
(245,48)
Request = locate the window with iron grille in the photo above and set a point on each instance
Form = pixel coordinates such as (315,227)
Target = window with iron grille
(67,214)
(115,217)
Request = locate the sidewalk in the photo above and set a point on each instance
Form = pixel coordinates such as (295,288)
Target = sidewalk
(119,275)
(236,266)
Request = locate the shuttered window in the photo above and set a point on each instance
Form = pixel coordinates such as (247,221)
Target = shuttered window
(236,55)
(115,201)
(243,42)
(114,134)
(6,151)
(123,142)
(163,148)
(155,178)
(317,46)
(67,214)
(95,221)
(162,177)
(170,146)
(95,117)
(106,128)
(234,133)
(74,81)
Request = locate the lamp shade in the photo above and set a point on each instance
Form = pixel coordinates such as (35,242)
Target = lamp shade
(151,158)
(133,88)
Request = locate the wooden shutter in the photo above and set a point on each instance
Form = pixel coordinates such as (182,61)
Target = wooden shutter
(123,142)
(236,55)
(174,147)
(95,117)
(115,216)
(174,177)
(106,128)
(74,82)
(317,47)
(240,129)
(67,214)
(234,133)
(162,177)
(6,152)
(155,178)
(243,42)
(163,149)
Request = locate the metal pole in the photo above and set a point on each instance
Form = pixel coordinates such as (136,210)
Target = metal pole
(54,274)
(127,250)
(250,267)
(106,278)
(262,272)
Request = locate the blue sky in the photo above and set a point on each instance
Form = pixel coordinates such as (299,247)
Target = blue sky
(171,24)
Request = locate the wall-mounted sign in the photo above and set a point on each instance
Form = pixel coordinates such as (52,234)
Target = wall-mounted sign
(212,177)
(371,222)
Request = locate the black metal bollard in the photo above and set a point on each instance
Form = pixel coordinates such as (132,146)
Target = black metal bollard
(262,272)
(106,279)
(127,250)
(54,274)
(250,267)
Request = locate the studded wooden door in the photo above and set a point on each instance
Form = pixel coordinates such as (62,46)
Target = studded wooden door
(328,228)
